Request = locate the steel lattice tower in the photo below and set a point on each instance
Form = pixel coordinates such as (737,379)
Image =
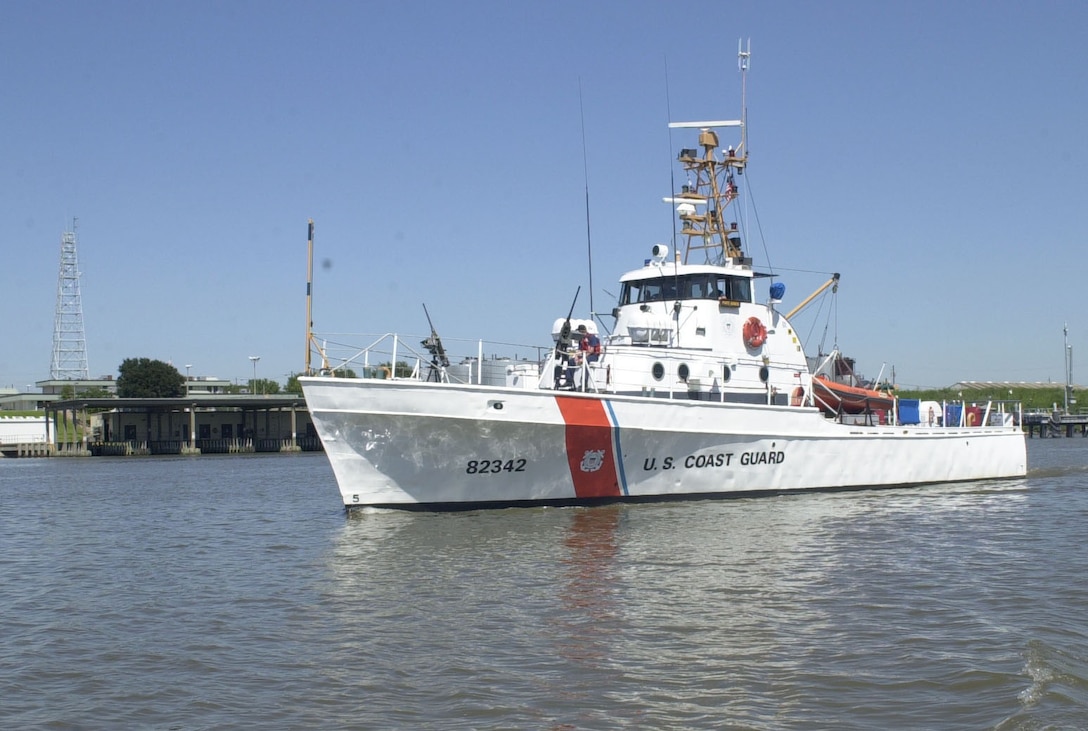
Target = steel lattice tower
(69,339)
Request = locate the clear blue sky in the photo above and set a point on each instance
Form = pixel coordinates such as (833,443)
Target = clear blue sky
(932,152)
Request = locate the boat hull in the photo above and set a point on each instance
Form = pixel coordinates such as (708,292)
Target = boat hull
(423,445)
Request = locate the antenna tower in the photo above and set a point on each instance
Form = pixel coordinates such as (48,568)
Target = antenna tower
(69,338)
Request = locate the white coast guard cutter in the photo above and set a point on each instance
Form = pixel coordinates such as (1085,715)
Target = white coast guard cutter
(701,391)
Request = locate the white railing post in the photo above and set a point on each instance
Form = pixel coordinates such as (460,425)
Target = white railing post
(480,361)
(393,363)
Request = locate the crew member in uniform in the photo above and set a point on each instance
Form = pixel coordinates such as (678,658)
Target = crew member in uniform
(589,350)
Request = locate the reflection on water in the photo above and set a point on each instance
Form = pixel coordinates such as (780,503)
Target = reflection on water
(588,589)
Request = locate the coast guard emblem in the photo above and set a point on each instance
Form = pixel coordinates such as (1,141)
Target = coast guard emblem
(592,460)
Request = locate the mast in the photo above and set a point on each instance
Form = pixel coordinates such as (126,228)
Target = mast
(744,56)
(702,202)
(311,343)
(1067,355)
(309,294)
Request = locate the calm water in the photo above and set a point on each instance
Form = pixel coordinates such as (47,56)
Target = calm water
(233,592)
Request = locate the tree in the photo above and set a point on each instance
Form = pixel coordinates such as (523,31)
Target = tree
(263,386)
(69,392)
(146,378)
(97,392)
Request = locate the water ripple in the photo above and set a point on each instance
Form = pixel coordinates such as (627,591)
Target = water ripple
(232,593)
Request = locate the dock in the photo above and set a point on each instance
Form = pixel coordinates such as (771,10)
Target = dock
(192,425)
(1055,424)
(26,449)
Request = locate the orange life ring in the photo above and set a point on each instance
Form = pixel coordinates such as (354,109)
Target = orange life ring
(755,334)
(797,396)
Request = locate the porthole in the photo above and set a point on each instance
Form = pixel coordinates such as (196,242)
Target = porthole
(683,372)
(764,373)
(726,374)
(658,371)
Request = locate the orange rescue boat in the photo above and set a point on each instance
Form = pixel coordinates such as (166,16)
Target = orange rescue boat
(835,398)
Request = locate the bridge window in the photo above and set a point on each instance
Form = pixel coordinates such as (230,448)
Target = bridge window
(736,288)
(690,286)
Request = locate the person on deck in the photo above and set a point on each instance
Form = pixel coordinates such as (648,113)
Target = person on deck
(589,348)
(574,364)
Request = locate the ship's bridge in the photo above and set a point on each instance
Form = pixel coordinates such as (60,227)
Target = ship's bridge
(692,285)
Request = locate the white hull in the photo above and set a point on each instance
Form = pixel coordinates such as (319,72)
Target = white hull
(407,443)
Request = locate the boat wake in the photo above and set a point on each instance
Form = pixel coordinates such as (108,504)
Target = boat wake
(1062,471)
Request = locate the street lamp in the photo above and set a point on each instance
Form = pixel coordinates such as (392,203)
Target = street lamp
(1069,378)
(187,367)
(254,358)
(1068,365)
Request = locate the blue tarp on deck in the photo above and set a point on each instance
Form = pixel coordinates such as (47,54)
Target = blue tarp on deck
(909,409)
(952,414)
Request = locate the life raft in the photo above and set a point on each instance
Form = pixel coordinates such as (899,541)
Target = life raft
(797,397)
(755,333)
(834,398)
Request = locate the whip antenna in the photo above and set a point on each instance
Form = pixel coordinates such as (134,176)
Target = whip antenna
(585,173)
